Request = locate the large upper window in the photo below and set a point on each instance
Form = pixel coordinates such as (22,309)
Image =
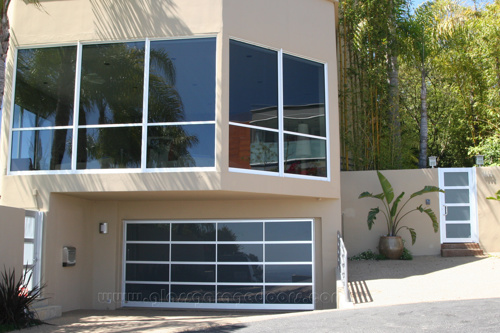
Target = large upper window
(277,113)
(136,105)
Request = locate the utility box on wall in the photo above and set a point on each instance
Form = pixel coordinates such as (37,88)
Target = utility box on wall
(69,256)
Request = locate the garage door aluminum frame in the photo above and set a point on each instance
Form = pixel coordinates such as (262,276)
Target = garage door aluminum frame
(271,277)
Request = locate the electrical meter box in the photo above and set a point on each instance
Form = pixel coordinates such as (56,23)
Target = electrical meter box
(69,256)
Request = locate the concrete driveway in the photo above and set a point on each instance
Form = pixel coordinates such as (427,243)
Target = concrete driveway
(428,293)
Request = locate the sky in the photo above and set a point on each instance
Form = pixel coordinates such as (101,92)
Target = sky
(416,3)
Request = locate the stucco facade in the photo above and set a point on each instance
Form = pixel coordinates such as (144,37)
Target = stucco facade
(76,202)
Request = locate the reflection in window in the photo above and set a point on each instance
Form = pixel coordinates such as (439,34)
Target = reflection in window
(255,131)
(41,150)
(111,119)
(45,80)
(112,83)
(112,147)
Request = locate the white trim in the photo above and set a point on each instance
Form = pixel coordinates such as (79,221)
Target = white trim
(216,263)
(473,218)
(12,109)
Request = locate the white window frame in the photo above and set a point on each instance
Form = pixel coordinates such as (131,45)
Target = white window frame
(281,132)
(144,124)
(215,305)
(37,241)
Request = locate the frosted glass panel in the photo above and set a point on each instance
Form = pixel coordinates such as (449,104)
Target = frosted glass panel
(29,253)
(458,231)
(458,214)
(29,227)
(456,179)
(456,196)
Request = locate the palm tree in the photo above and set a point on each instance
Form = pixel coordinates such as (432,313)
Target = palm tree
(4,39)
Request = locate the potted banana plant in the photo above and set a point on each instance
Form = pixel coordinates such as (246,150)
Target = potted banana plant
(391,245)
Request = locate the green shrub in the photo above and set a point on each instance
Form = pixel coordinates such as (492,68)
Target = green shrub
(16,300)
(370,255)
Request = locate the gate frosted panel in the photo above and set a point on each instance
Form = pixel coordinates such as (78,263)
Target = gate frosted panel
(458,231)
(456,196)
(456,179)
(458,214)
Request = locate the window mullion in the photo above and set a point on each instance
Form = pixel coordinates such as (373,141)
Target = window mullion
(145,105)
(281,145)
(76,105)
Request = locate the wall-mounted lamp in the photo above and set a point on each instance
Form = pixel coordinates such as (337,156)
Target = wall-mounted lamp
(480,160)
(103,227)
(432,161)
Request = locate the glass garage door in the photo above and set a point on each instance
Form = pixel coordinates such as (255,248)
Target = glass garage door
(219,264)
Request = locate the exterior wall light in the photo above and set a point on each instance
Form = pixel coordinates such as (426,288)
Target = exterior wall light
(103,227)
(432,161)
(480,160)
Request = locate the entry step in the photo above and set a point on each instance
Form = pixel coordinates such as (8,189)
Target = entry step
(461,250)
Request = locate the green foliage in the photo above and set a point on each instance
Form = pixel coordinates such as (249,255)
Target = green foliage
(454,47)
(370,255)
(495,198)
(393,212)
(16,300)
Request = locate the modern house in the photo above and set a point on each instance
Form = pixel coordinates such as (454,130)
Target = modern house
(180,153)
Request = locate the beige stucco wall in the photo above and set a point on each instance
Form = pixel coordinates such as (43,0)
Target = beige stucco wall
(301,27)
(11,238)
(76,203)
(488,183)
(97,275)
(358,238)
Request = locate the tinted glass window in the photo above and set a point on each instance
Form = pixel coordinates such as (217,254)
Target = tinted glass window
(289,295)
(148,252)
(253,85)
(239,273)
(288,231)
(303,96)
(289,273)
(41,150)
(181,146)
(193,273)
(239,252)
(109,148)
(288,252)
(193,232)
(147,272)
(305,156)
(112,83)
(45,81)
(192,294)
(244,231)
(193,252)
(182,80)
(239,294)
(148,231)
(250,148)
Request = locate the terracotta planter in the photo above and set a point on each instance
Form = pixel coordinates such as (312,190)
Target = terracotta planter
(391,246)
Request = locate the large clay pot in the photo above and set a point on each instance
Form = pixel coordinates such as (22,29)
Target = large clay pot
(391,246)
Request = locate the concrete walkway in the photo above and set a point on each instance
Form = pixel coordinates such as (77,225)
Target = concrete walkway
(377,286)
